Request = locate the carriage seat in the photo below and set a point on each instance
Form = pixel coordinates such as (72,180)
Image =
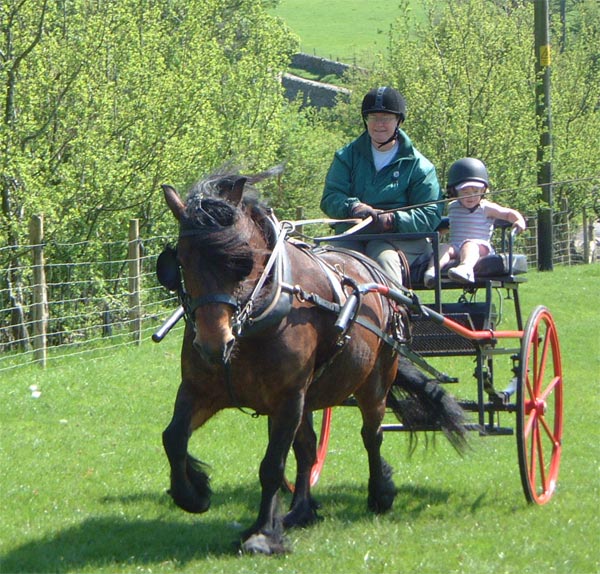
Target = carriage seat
(502,266)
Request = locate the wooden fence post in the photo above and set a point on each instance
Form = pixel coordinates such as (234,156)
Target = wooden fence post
(135,310)
(300,217)
(39,308)
(586,238)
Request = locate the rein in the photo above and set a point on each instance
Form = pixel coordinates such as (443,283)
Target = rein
(243,315)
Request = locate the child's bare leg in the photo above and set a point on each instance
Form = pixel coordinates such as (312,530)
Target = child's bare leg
(470,252)
(447,252)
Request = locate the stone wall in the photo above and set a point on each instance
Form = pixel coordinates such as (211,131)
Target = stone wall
(316,94)
(319,66)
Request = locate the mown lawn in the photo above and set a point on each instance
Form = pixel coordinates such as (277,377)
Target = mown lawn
(84,475)
(352,31)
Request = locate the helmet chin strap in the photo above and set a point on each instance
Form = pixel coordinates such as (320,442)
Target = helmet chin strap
(394,136)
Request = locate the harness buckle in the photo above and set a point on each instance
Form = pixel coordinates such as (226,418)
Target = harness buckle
(300,294)
(242,318)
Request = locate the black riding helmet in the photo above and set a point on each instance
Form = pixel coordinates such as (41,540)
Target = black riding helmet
(466,169)
(386,100)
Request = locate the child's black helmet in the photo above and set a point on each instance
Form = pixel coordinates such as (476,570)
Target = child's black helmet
(466,169)
(384,99)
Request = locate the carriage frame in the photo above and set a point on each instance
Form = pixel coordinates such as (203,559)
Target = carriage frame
(468,328)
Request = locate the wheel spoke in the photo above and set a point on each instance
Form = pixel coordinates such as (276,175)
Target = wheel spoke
(550,433)
(531,421)
(535,346)
(540,459)
(533,453)
(541,365)
(550,388)
(527,386)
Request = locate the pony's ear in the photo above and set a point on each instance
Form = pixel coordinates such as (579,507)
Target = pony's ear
(234,195)
(173,201)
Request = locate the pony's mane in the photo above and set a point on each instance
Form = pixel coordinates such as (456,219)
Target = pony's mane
(213,223)
(217,184)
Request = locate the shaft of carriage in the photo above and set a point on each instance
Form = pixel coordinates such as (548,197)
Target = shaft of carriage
(413,303)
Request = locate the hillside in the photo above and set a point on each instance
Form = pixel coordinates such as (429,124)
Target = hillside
(330,30)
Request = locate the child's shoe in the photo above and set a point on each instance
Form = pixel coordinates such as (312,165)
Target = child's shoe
(429,278)
(462,274)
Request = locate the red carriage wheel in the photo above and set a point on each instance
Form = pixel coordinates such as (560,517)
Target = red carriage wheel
(322,447)
(539,407)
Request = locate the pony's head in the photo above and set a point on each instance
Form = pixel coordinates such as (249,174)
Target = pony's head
(220,251)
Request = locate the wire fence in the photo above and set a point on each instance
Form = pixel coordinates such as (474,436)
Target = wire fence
(61,300)
(572,244)
(87,305)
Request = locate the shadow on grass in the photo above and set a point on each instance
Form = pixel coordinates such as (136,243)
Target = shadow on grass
(100,542)
(348,502)
(176,537)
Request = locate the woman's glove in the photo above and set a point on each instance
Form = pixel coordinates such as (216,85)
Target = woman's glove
(362,210)
(385,222)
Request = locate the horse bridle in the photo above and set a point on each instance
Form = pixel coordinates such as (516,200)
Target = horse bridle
(170,276)
(191,304)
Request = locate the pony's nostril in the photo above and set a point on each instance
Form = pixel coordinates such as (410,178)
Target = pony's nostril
(217,356)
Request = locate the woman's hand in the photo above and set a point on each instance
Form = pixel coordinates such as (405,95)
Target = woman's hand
(362,210)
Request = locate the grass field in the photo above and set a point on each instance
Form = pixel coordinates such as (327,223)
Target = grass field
(84,475)
(352,31)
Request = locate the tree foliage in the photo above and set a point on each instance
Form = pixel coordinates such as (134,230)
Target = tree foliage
(576,106)
(468,73)
(106,100)
(103,101)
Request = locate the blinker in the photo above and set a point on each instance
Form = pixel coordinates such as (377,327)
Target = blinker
(167,269)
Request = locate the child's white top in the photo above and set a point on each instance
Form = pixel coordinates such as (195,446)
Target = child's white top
(469,225)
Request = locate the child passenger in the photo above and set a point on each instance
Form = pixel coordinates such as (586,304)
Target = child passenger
(471,221)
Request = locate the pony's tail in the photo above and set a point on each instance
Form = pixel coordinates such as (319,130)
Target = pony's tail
(422,404)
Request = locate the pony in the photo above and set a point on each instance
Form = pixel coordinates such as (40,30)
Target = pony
(263,334)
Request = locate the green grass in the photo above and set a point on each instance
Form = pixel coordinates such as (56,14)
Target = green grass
(84,475)
(350,31)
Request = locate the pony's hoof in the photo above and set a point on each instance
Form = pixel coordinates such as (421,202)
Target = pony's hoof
(382,492)
(189,501)
(262,544)
(380,505)
(302,515)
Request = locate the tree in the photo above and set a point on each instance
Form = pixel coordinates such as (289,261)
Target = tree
(108,99)
(468,73)
(576,106)
(105,100)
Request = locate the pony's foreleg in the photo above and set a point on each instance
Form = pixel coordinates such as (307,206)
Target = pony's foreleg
(190,488)
(265,536)
(303,510)
(381,486)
